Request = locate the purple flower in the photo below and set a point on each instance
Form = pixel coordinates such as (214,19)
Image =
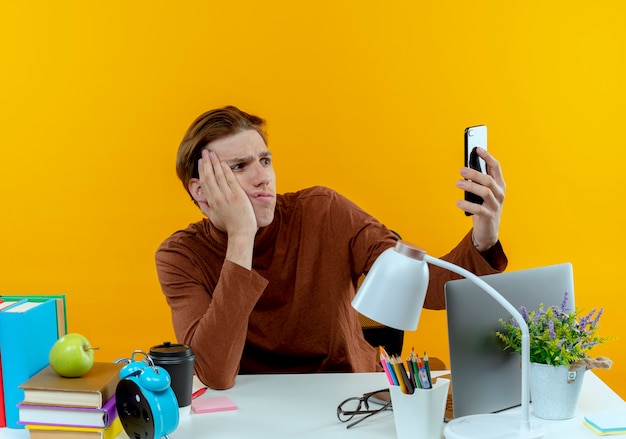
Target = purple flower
(584,321)
(595,321)
(564,308)
(558,313)
(551,330)
(524,312)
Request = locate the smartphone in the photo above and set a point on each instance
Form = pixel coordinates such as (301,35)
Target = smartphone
(475,137)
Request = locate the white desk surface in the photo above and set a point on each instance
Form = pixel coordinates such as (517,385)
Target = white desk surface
(304,407)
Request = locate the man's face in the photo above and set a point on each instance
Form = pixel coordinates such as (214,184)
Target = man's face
(248,157)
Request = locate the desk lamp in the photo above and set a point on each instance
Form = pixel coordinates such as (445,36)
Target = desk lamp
(393,294)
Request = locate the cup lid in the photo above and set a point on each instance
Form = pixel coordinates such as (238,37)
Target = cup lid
(168,349)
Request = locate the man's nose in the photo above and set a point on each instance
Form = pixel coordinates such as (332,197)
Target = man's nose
(262,175)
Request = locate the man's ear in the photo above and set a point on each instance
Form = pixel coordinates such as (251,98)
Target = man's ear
(196,191)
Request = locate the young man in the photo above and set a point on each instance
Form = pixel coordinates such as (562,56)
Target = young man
(265,282)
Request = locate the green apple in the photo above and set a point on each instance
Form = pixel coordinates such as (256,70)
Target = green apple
(71,356)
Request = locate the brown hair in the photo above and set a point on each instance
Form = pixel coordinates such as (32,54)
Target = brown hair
(210,126)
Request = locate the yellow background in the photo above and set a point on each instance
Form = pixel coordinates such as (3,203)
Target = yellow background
(368,97)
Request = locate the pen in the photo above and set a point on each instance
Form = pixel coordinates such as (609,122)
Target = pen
(198,392)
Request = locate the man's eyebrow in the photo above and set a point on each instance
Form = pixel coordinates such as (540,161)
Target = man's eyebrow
(248,158)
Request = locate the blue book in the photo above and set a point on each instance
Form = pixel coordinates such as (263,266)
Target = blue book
(27,332)
(5,304)
(61,306)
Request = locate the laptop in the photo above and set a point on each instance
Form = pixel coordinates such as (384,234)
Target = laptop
(486,379)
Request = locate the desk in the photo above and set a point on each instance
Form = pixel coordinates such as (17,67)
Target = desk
(304,407)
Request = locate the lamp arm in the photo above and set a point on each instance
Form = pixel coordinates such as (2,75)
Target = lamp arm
(525,422)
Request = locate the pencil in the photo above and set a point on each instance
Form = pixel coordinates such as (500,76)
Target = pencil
(427,366)
(387,361)
(422,374)
(416,372)
(407,383)
(383,363)
(411,372)
(383,352)
(401,381)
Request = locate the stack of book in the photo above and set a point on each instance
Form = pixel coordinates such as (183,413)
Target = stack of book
(55,407)
(29,326)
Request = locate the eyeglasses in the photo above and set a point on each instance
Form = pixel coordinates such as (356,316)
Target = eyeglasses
(357,406)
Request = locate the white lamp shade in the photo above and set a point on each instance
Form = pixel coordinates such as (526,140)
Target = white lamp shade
(394,290)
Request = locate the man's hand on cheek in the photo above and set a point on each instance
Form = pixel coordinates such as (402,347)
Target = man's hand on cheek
(227,204)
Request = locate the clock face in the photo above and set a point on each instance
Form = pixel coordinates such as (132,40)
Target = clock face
(133,408)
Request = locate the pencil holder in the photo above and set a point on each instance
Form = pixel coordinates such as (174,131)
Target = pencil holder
(421,413)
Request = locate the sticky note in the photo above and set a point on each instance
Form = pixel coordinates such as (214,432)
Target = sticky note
(607,423)
(209,405)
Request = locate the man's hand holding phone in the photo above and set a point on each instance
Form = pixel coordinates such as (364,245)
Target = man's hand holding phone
(484,183)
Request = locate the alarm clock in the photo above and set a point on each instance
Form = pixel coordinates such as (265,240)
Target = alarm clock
(145,402)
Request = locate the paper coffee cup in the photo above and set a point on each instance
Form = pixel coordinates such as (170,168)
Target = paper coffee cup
(178,360)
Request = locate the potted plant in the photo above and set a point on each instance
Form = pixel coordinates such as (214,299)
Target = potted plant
(560,340)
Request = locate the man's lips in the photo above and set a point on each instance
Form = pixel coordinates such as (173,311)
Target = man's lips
(263,196)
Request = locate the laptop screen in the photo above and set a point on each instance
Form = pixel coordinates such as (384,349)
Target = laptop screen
(486,379)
